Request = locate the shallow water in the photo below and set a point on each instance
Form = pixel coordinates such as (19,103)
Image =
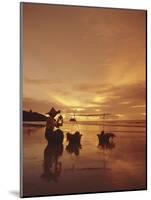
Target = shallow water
(91,168)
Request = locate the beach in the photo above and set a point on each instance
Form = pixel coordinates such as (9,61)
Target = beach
(89,168)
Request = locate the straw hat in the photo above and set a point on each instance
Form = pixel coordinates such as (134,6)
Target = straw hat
(53,112)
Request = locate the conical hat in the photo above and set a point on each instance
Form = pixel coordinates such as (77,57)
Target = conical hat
(53,112)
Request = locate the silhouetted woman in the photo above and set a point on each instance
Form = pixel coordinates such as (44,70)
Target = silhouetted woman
(52,135)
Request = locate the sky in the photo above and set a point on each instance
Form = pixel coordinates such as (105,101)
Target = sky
(84,60)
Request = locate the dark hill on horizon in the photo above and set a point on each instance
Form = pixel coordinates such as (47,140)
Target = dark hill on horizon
(33,116)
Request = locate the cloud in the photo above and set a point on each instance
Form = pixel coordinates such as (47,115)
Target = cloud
(128,99)
(125,92)
(41,81)
(125,101)
(42,106)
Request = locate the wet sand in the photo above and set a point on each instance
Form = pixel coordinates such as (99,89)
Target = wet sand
(90,168)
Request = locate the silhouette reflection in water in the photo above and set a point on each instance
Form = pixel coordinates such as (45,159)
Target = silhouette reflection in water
(74,143)
(108,145)
(105,147)
(52,166)
(73,149)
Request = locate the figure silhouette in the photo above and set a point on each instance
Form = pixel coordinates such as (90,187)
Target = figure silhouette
(52,135)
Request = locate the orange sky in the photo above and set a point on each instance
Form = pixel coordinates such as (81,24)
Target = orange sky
(84,60)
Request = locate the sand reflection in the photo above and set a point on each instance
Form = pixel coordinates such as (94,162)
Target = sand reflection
(52,166)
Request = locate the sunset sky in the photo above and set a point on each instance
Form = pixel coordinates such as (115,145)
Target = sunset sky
(84,60)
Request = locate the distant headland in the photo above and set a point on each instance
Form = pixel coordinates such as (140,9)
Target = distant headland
(33,116)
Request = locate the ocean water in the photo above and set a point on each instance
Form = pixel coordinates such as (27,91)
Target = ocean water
(89,168)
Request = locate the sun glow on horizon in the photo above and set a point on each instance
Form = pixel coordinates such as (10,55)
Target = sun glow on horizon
(92,68)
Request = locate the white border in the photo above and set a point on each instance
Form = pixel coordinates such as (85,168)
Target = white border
(9,96)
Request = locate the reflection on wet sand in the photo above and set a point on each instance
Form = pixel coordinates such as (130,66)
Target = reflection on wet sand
(73,149)
(107,145)
(104,147)
(52,166)
(94,166)
(74,143)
